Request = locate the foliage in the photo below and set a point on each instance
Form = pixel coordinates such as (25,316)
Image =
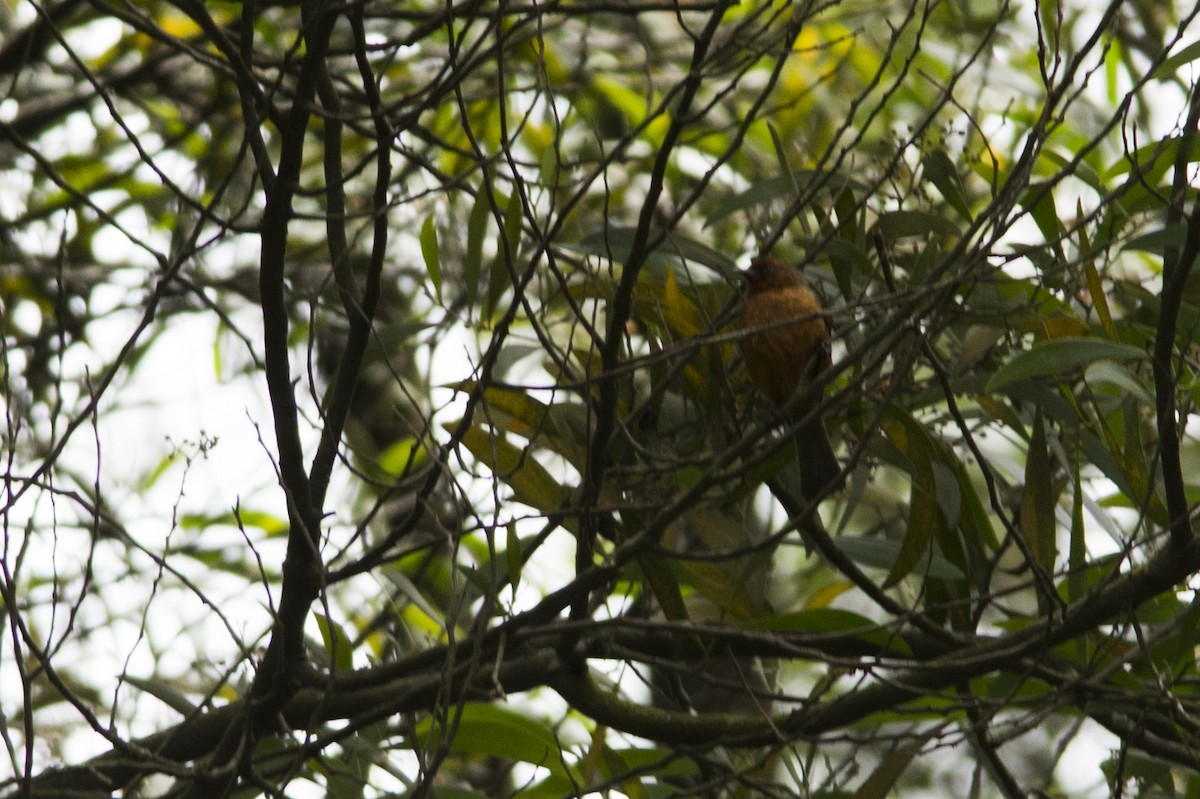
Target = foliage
(375,424)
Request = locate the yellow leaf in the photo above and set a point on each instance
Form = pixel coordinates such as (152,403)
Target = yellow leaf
(1066,327)
(912,439)
(823,597)
(1037,500)
(531,483)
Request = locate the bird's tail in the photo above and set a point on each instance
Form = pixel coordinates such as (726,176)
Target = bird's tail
(819,467)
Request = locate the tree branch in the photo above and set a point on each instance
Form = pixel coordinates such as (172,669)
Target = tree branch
(1177,265)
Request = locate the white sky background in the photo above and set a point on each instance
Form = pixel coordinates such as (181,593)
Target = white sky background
(177,397)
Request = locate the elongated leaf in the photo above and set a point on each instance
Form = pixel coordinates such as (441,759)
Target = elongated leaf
(429,250)
(512,552)
(1095,285)
(663,585)
(504,264)
(516,468)
(1169,70)
(1038,498)
(1039,202)
(476,231)
(833,620)
(912,440)
(1119,377)
(904,224)
(942,174)
(510,409)
(783,187)
(403,457)
(337,643)
(1077,551)
(883,779)
(1152,160)
(882,553)
(494,731)
(618,242)
(1059,356)
(1136,468)
(558,427)
(1158,240)
(1114,57)
(444,792)
(164,693)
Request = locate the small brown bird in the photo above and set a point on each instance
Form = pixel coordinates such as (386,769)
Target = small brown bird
(784,359)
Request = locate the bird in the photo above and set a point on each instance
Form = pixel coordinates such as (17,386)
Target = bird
(784,359)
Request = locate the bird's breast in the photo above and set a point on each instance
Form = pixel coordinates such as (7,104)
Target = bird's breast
(782,358)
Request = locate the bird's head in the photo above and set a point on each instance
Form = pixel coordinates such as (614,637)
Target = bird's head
(767,274)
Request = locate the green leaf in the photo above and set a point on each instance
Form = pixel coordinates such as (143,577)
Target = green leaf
(403,457)
(725,589)
(429,250)
(1038,499)
(1076,583)
(512,551)
(494,731)
(663,585)
(500,276)
(1050,24)
(1169,70)
(164,693)
(783,187)
(1136,469)
(1070,163)
(1175,650)
(942,174)
(442,792)
(631,104)
(785,167)
(882,553)
(477,221)
(337,643)
(975,519)
(1094,283)
(1122,379)
(1039,202)
(1057,357)
(911,439)
(1114,54)
(889,770)
(617,243)
(1152,160)
(1158,240)
(270,524)
(346,775)
(651,760)
(923,224)
(833,620)
(847,260)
